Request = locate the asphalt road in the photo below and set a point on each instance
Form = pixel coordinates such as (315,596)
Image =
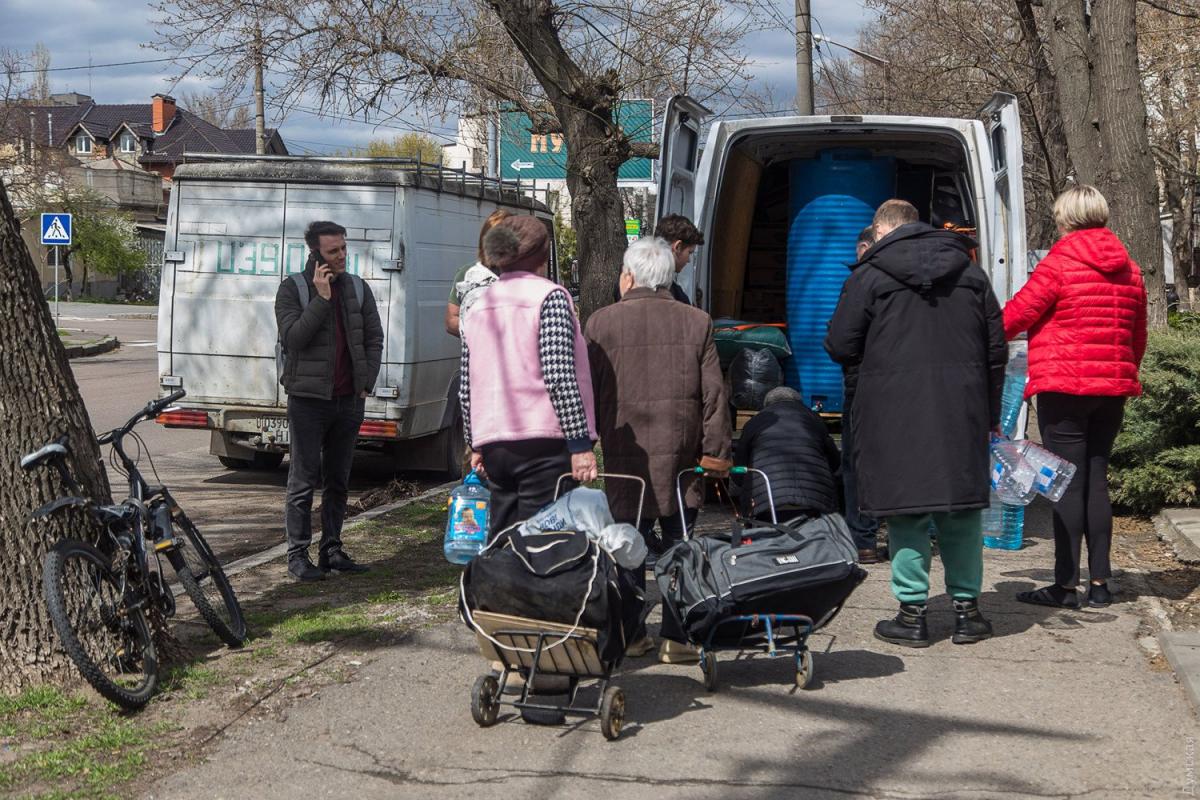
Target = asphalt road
(239,512)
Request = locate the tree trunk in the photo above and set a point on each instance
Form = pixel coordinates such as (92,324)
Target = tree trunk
(39,401)
(596,147)
(1185,238)
(596,207)
(1071,48)
(1047,112)
(1127,174)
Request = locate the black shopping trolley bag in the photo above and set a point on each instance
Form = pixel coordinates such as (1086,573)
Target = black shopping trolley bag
(808,569)
(555,576)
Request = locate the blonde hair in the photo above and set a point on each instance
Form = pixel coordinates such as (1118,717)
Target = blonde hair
(894,213)
(1081,207)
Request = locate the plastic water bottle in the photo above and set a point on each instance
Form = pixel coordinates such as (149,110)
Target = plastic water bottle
(1052,474)
(467,523)
(1014,392)
(1003,525)
(1013,476)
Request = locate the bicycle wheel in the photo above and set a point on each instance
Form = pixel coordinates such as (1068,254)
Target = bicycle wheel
(107,639)
(206,583)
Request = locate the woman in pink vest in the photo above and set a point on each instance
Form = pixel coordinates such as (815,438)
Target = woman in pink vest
(1085,310)
(526,386)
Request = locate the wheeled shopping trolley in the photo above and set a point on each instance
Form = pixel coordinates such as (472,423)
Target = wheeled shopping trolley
(538,649)
(778,625)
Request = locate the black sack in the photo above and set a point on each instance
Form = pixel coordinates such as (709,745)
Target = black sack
(810,569)
(548,576)
(753,373)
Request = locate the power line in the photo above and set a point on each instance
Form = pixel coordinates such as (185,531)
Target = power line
(103,66)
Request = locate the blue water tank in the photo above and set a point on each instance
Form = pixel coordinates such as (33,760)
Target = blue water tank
(832,197)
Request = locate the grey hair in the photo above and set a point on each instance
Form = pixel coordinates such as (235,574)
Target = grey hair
(650,262)
(782,394)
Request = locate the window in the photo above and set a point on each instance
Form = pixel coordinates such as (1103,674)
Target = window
(128,143)
(83,143)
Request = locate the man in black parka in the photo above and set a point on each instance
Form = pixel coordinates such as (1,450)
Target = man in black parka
(919,320)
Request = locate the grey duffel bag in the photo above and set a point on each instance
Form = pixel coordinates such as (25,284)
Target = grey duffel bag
(809,568)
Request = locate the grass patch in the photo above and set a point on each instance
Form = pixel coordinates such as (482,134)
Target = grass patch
(110,751)
(191,681)
(324,624)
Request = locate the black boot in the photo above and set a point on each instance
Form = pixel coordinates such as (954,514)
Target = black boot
(969,626)
(908,629)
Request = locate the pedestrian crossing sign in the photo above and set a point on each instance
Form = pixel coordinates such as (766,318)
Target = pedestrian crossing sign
(56,229)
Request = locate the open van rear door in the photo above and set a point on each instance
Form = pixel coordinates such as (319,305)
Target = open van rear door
(679,157)
(1006,229)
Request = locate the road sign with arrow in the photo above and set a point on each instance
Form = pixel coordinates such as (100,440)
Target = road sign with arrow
(528,154)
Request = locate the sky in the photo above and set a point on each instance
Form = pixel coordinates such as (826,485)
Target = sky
(79,32)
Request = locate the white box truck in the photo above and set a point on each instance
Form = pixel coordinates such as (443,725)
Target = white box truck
(235,229)
(780,200)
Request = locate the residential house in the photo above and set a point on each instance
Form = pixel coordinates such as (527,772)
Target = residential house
(126,152)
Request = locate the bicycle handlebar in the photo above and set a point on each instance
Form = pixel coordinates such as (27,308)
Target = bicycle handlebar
(150,411)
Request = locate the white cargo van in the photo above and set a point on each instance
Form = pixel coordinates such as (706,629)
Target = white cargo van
(774,254)
(235,229)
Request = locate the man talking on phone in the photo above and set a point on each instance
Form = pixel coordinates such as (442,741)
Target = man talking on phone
(332,343)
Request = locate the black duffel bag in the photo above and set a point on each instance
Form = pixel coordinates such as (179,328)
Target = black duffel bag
(808,569)
(556,576)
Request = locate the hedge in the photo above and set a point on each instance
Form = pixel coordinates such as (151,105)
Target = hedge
(1156,460)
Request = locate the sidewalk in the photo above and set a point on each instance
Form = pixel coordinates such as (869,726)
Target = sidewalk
(80,344)
(1059,704)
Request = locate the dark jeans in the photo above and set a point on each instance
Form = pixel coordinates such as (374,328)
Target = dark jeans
(1082,430)
(671,529)
(323,433)
(863,527)
(522,477)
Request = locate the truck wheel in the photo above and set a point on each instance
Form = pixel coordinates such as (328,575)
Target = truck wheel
(456,448)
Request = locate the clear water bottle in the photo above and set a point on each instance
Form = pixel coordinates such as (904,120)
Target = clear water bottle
(1013,398)
(1052,474)
(1013,475)
(1003,525)
(467,522)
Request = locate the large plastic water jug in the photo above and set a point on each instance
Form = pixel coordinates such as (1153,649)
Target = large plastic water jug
(1003,525)
(467,522)
(1014,392)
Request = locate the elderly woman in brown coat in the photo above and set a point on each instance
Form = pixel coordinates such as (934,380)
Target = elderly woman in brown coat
(661,403)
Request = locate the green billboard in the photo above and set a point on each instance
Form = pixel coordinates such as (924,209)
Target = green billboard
(527,155)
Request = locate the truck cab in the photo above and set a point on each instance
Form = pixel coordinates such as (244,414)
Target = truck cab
(781,201)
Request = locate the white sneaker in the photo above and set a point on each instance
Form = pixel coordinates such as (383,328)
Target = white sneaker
(639,648)
(675,653)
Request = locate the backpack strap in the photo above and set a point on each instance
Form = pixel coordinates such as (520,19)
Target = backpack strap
(358,289)
(301,288)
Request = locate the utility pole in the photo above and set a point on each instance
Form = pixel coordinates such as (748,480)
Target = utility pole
(883,62)
(804,71)
(260,117)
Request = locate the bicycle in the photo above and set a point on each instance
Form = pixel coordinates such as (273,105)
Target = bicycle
(98,596)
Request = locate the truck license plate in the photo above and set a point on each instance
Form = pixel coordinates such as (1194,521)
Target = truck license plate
(274,429)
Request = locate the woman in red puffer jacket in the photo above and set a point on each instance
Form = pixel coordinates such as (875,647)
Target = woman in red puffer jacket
(1085,310)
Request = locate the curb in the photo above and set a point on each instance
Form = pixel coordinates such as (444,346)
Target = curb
(95,348)
(279,550)
(1187,549)
(1182,650)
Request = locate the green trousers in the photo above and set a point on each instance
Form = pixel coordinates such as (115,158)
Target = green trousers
(960,539)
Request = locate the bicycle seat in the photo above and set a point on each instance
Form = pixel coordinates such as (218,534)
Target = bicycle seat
(48,453)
